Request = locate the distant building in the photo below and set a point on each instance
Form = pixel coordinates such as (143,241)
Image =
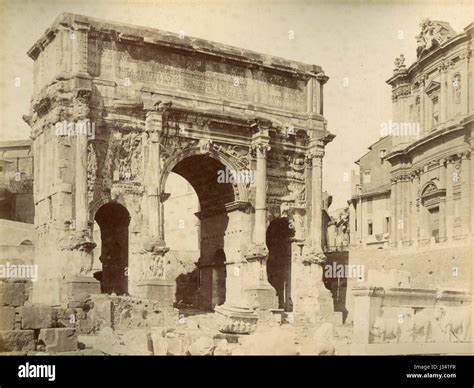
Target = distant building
(369,206)
(432,173)
(16,181)
(416,184)
(413,197)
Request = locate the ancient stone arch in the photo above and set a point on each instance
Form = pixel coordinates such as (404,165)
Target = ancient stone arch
(139,103)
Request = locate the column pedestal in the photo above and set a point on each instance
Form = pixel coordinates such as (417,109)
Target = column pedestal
(312,301)
(161,290)
(260,293)
(79,287)
(154,284)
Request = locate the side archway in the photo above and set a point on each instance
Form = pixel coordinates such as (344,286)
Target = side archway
(278,239)
(113,220)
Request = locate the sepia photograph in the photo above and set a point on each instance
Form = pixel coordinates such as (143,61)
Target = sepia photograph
(236,178)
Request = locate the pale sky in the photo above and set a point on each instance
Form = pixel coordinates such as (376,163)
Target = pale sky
(351,40)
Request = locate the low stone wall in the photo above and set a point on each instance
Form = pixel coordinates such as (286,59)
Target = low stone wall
(26,327)
(393,316)
(125,313)
(436,267)
(31,328)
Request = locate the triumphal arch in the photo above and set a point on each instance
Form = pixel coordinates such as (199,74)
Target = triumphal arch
(117,108)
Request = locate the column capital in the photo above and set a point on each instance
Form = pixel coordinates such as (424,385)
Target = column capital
(451,159)
(444,66)
(260,144)
(260,149)
(81,103)
(154,115)
(315,154)
(315,149)
(465,155)
(260,124)
(465,56)
(322,78)
(159,107)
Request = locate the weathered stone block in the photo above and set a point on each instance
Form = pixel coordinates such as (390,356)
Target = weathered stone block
(101,314)
(272,341)
(230,338)
(84,326)
(7,318)
(80,287)
(36,317)
(222,348)
(18,314)
(79,313)
(64,317)
(174,345)
(322,341)
(79,303)
(138,343)
(109,342)
(12,293)
(17,340)
(160,345)
(58,313)
(202,347)
(160,290)
(86,341)
(58,339)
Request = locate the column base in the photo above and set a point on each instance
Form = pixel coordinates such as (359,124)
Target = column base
(157,289)
(235,320)
(80,287)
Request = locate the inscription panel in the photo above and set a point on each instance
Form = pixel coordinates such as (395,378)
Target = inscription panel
(148,65)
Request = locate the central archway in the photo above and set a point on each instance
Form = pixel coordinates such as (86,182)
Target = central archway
(205,282)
